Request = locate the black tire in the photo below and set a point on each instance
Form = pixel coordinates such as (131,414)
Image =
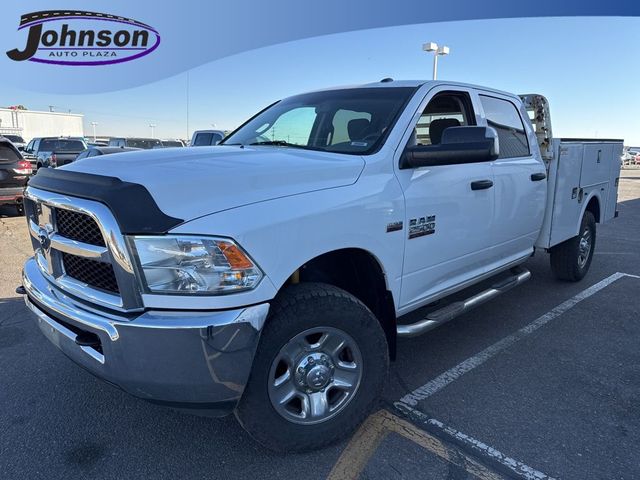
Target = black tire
(297,309)
(565,257)
(20,209)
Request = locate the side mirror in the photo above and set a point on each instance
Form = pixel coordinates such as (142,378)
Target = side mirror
(458,145)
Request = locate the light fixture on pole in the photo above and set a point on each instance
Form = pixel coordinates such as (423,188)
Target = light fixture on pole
(152,126)
(437,52)
(93,124)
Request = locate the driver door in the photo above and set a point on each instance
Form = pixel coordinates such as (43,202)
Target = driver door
(448,233)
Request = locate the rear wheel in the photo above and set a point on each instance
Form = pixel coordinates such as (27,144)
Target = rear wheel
(318,371)
(571,259)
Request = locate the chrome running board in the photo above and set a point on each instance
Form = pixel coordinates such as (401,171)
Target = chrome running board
(451,311)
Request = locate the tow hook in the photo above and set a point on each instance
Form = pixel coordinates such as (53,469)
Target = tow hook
(21,290)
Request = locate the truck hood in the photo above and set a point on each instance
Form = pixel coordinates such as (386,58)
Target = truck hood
(187,183)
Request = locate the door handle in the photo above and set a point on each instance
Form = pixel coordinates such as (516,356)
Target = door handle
(536,177)
(481,184)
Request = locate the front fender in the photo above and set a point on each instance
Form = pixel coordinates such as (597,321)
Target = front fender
(283,234)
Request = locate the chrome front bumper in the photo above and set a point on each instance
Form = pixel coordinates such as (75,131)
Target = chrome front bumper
(186,359)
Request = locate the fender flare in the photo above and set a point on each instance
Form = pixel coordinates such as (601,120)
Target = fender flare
(586,200)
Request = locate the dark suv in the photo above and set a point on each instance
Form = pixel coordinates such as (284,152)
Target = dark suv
(14,173)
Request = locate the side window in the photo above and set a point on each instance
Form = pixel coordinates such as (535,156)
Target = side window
(505,118)
(36,146)
(446,109)
(82,155)
(29,148)
(215,138)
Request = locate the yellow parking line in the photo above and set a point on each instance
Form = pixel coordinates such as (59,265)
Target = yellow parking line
(366,441)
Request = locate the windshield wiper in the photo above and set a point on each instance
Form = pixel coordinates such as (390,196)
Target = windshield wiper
(283,143)
(279,143)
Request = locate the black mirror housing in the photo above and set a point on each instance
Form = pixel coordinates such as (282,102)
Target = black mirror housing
(468,144)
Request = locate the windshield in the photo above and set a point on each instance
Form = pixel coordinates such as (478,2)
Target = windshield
(146,143)
(352,121)
(14,138)
(56,145)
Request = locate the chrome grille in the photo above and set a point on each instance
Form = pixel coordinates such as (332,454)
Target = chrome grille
(97,274)
(80,249)
(78,226)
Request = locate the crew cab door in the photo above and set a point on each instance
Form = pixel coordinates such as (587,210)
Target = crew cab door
(520,183)
(448,222)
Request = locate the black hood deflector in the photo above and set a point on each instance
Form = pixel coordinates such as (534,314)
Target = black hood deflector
(132,205)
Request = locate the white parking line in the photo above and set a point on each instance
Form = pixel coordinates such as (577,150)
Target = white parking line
(407,403)
(482,449)
(441,381)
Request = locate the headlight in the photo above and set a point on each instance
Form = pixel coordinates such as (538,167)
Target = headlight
(194,265)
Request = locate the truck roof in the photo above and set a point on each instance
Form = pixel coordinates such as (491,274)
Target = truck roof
(391,83)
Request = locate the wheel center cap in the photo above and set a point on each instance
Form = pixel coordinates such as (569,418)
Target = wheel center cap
(583,244)
(318,376)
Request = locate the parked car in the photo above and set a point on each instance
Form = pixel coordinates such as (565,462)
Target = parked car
(14,174)
(272,276)
(172,143)
(52,152)
(135,142)
(202,138)
(99,151)
(17,140)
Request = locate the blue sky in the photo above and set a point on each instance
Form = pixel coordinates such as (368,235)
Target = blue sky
(587,67)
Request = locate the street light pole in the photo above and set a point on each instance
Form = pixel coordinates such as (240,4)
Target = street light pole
(437,52)
(93,124)
(152,126)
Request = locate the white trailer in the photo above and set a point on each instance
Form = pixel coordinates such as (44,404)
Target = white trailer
(32,123)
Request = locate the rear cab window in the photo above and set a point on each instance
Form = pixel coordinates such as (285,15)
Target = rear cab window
(61,145)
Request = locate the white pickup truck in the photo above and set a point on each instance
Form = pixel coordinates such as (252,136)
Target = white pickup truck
(273,281)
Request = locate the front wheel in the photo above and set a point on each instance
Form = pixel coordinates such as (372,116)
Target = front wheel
(318,371)
(571,259)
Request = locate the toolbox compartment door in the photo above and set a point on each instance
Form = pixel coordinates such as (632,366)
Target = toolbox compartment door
(579,169)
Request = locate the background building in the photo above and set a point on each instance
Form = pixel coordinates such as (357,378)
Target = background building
(31,123)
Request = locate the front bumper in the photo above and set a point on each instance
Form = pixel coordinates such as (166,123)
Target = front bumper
(185,359)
